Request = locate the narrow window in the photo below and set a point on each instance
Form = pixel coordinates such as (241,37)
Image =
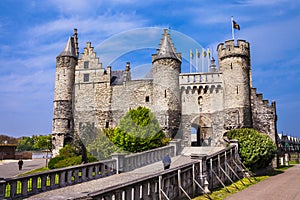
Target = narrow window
(200,100)
(58,77)
(107,125)
(147,99)
(69,123)
(237,89)
(230,65)
(86,64)
(165,93)
(86,78)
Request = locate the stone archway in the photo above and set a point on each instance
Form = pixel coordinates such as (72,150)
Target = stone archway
(195,135)
(201,131)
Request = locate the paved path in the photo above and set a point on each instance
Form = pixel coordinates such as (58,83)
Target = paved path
(10,168)
(285,186)
(82,189)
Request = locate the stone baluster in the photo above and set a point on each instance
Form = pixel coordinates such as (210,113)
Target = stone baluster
(52,180)
(69,177)
(2,188)
(24,185)
(13,188)
(83,174)
(62,179)
(90,172)
(76,175)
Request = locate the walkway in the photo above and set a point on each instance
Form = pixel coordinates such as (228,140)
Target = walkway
(10,168)
(80,190)
(280,187)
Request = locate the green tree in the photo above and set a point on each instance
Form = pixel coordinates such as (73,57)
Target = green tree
(255,149)
(138,130)
(26,144)
(102,147)
(43,142)
(35,142)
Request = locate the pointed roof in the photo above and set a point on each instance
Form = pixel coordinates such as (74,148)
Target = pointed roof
(69,49)
(166,48)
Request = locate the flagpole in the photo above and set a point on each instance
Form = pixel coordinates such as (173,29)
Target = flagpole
(196,60)
(202,53)
(190,61)
(232,29)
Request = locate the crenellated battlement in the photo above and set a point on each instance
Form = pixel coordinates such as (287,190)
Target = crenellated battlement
(229,49)
(257,98)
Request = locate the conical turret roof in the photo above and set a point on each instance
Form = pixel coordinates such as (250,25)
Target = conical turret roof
(166,48)
(69,49)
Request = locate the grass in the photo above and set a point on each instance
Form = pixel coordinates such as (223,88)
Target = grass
(221,193)
(43,169)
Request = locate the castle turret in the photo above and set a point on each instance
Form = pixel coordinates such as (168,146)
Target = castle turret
(234,63)
(62,129)
(166,67)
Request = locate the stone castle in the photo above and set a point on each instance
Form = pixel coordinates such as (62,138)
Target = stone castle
(86,93)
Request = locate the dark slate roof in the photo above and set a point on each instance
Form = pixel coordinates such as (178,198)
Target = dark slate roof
(69,49)
(117,77)
(166,48)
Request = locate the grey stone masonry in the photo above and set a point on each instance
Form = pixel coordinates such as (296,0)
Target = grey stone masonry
(197,108)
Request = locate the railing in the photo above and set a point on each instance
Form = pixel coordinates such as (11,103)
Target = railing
(200,78)
(137,160)
(182,182)
(11,188)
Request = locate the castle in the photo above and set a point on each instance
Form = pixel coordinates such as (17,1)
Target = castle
(211,102)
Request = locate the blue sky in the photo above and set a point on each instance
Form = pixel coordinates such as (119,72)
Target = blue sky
(33,33)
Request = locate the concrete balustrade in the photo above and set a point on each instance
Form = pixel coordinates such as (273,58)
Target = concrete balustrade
(32,184)
(197,177)
(11,188)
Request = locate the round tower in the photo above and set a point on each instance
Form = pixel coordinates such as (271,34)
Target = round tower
(62,128)
(166,67)
(234,63)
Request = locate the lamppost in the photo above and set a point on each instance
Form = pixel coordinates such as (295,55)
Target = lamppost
(48,149)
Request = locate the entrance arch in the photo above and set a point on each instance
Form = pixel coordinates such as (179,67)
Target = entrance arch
(195,135)
(201,131)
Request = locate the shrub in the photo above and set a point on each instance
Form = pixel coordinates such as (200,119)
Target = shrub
(138,130)
(68,156)
(255,149)
(53,161)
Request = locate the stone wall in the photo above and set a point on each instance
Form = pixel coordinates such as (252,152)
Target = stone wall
(264,115)
(133,94)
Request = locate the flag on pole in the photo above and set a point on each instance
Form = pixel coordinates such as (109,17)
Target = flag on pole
(204,53)
(197,53)
(191,54)
(235,25)
(208,52)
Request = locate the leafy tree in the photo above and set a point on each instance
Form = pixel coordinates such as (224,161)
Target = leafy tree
(102,147)
(35,142)
(138,130)
(26,144)
(255,149)
(43,142)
